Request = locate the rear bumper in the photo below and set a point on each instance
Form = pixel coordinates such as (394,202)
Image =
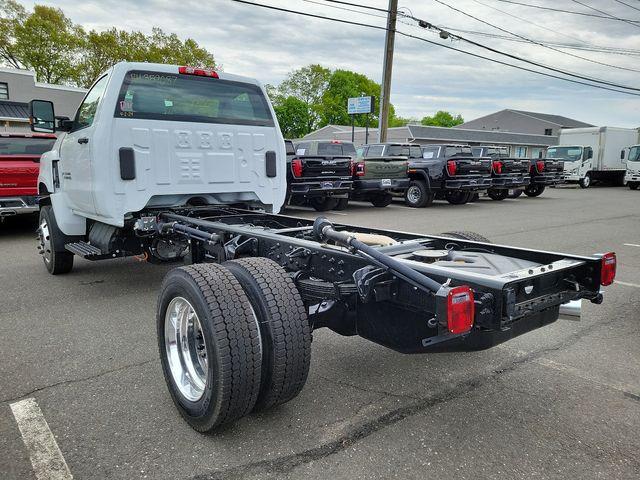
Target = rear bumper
(10,206)
(468,183)
(510,181)
(321,188)
(550,179)
(365,186)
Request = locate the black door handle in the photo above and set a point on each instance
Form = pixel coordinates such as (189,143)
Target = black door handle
(83,140)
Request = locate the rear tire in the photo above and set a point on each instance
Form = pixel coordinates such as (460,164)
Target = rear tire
(382,200)
(585,182)
(534,190)
(209,343)
(474,237)
(284,328)
(342,204)
(498,195)
(323,204)
(50,238)
(457,197)
(418,195)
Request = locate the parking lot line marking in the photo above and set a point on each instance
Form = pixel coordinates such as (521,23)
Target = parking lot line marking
(44,453)
(631,245)
(627,284)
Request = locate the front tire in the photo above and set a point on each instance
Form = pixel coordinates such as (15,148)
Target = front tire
(382,200)
(633,185)
(342,204)
(284,328)
(498,195)
(50,238)
(585,182)
(323,204)
(457,197)
(474,237)
(515,194)
(209,344)
(534,190)
(418,195)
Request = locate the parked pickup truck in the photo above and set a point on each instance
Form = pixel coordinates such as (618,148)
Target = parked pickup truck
(543,173)
(449,172)
(319,174)
(19,166)
(379,170)
(178,163)
(507,173)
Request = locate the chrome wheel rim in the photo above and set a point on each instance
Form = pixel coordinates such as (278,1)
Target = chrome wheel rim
(413,194)
(186,349)
(44,237)
(587,181)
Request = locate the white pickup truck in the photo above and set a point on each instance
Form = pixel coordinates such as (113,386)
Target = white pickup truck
(176,163)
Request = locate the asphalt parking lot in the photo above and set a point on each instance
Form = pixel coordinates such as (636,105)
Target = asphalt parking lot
(560,402)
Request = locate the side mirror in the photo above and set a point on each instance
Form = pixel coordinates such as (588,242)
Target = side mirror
(41,116)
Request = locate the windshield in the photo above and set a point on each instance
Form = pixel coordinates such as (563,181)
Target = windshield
(332,148)
(458,152)
(25,146)
(634,154)
(191,98)
(568,154)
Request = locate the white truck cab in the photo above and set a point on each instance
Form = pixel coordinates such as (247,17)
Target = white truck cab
(578,162)
(150,135)
(632,177)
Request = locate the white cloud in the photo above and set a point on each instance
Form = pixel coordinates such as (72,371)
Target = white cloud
(266,44)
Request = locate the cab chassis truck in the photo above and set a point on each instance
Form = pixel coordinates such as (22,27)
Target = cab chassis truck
(234,327)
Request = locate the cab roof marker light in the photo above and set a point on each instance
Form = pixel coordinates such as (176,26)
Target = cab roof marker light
(201,72)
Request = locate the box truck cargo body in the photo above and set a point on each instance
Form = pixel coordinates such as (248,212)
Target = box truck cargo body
(593,154)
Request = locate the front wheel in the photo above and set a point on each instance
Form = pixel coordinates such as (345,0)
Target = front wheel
(382,200)
(534,190)
(418,195)
(50,238)
(342,204)
(515,193)
(633,185)
(498,195)
(457,197)
(585,182)
(323,204)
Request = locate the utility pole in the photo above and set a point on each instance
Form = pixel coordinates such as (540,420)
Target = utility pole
(387,67)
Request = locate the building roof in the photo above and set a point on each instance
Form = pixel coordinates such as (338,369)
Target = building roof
(565,122)
(420,132)
(14,110)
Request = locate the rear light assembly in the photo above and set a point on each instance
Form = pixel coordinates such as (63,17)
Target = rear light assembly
(497,167)
(296,167)
(540,166)
(452,168)
(201,72)
(460,309)
(608,269)
(360,169)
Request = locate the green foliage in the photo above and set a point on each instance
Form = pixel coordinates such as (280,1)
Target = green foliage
(293,116)
(442,119)
(47,42)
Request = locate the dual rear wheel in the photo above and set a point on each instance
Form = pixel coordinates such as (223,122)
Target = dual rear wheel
(233,339)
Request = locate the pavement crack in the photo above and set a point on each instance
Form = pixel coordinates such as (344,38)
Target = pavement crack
(76,380)
(384,393)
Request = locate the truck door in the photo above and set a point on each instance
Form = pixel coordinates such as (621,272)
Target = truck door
(76,173)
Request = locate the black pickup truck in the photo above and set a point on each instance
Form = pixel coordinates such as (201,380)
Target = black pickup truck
(319,173)
(543,173)
(448,172)
(507,173)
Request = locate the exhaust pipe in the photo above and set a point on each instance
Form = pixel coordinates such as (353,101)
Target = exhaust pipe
(571,310)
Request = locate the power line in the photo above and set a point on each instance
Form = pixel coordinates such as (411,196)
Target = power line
(346,9)
(572,12)
(630,6)
(368,7)
(448,47)
(553,48)
(630,22)
(564,72)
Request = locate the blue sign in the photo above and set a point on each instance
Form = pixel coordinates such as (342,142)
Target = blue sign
(357,105)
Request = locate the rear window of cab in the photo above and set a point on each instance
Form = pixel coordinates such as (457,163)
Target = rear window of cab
(191,98)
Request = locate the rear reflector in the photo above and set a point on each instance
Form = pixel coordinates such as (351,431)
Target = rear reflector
(296,167)
(451,168)
(202,72)
(497,167)
(608,270)
(460,309)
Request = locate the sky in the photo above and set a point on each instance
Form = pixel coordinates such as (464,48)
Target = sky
(266,44)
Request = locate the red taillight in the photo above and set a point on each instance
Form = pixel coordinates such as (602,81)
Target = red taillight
(202,72)
(497,166)
(360,169)
(451,168)
(540,166)
(296,167)
(608,269)
(460,309)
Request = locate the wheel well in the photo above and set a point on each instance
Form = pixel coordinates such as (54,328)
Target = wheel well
(43,193)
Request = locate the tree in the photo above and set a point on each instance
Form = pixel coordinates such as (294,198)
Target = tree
(293,117)
(442,119)
(48,42)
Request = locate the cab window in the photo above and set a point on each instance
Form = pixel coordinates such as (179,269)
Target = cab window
(87,109)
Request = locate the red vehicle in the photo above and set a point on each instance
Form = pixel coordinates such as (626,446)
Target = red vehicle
(19,167)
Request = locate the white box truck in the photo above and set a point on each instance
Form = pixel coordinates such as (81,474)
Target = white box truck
(632,178)
(593,154)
